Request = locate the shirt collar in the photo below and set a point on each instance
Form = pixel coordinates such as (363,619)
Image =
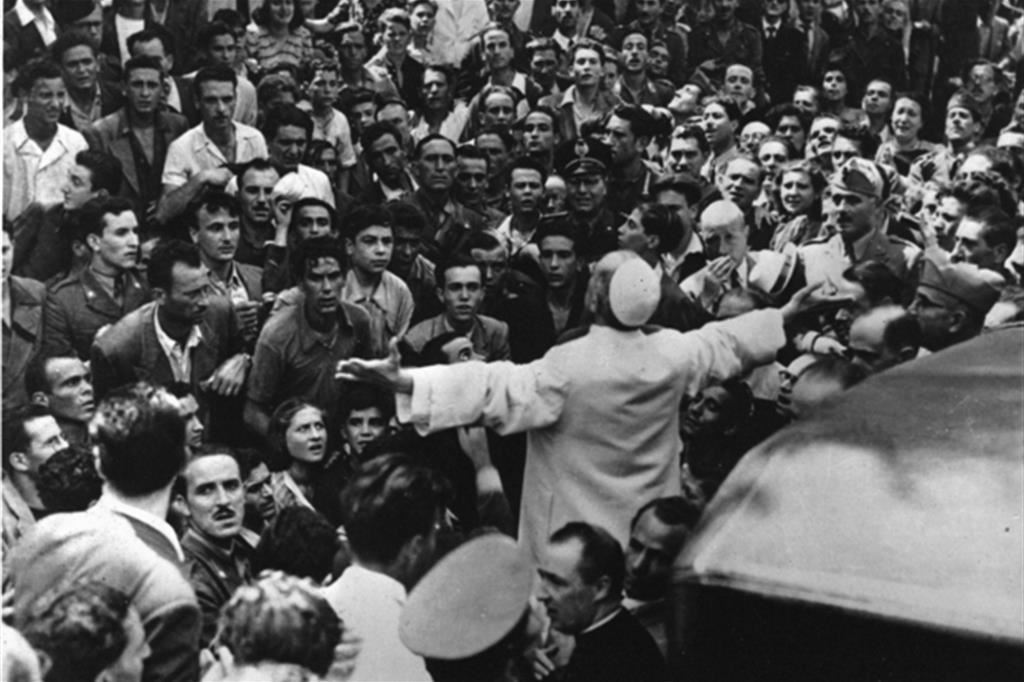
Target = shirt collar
(603,621)
(111,502)
(379,583)
(195,335)
(26,17)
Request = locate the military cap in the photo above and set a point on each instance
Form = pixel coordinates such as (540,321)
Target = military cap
(469,600)
(583,156)
(69,11)
(961,101)
(964,283)
(860,176)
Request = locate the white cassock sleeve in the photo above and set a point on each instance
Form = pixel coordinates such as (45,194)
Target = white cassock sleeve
(720,350)
(506,397)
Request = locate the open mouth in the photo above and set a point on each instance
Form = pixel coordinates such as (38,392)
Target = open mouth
(224,515)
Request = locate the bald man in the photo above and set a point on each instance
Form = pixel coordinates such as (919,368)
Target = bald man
(731,263)
(884,337)
(600,411)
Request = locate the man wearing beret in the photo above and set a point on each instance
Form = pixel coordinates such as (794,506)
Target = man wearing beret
(951,301)
(600,411)
(584,164)
(963,129)
(855,213)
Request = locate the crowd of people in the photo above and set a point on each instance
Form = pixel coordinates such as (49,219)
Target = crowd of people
(409,339)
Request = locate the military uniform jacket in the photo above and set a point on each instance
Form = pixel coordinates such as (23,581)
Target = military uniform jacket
(77,307)
(827,258)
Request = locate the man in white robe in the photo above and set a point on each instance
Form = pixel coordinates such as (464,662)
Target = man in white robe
(602,410)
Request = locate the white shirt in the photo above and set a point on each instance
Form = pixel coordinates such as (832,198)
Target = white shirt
(33,174)
(125,27)
(456,26)
(178,356)
(109,501)
(371,603)
(194,152)
(451,127)
(336,130)
(44,21)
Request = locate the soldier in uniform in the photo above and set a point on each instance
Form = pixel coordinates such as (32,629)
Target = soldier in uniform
(963,130)
(855,213)
(584,164)
(85,302)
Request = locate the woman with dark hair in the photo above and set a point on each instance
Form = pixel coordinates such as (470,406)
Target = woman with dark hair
(716,430)
(905,145)
(835,91)
(297,440)
(798,186)
(441,112)
(280,36)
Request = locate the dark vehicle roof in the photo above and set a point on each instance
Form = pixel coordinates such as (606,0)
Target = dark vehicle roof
(903,499)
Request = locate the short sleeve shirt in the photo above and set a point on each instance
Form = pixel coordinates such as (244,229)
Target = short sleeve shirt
(194,152)
(293,361)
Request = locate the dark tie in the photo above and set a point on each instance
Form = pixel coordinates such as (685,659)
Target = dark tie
(770,32)
(119,288)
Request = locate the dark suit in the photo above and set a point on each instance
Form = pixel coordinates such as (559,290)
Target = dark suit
(785,58)
(621,649)
(215,575)
(675,309)
(21,338)
(865,58)
(817,56)
(77,307)
(100,545)
(130,351)
(40,249)
(110,135)
(109,44)
(111,99)
(24,40)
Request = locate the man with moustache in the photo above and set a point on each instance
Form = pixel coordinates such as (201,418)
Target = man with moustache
(855,210)
(211,497)
(256,180)
(84,302)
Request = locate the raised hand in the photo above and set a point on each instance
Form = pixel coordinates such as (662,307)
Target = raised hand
(386,372)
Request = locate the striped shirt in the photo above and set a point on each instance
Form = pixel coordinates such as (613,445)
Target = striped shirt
(268,51)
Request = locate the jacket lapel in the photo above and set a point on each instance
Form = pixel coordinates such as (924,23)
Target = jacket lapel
(121,148)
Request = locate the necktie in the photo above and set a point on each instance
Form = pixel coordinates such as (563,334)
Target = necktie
(119,287)
(770,32)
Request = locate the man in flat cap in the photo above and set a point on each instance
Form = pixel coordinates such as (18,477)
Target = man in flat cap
(963,130)
(584,164)
(951,301)
(470,616)
(855,211)
(600,411)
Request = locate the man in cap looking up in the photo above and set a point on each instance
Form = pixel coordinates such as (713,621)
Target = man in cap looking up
(602,418)
(951,301)
(963,130)
(470,616)
(855,212)
(584,164)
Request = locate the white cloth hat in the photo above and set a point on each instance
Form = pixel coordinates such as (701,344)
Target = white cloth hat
(634,292)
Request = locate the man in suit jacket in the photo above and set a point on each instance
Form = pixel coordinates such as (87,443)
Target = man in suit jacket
(29,29)
(602,419)
(89,97)
(185,335)
(817,42)
(581,580)
(108,543)
(785,52)
(153,130)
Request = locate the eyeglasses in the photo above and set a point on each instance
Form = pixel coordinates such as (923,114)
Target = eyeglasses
(842,155)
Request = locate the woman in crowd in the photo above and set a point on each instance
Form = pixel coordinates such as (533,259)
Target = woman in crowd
(716,432)
(279,36)
(799,185)
(905,144)
(834,93)
(297,439)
